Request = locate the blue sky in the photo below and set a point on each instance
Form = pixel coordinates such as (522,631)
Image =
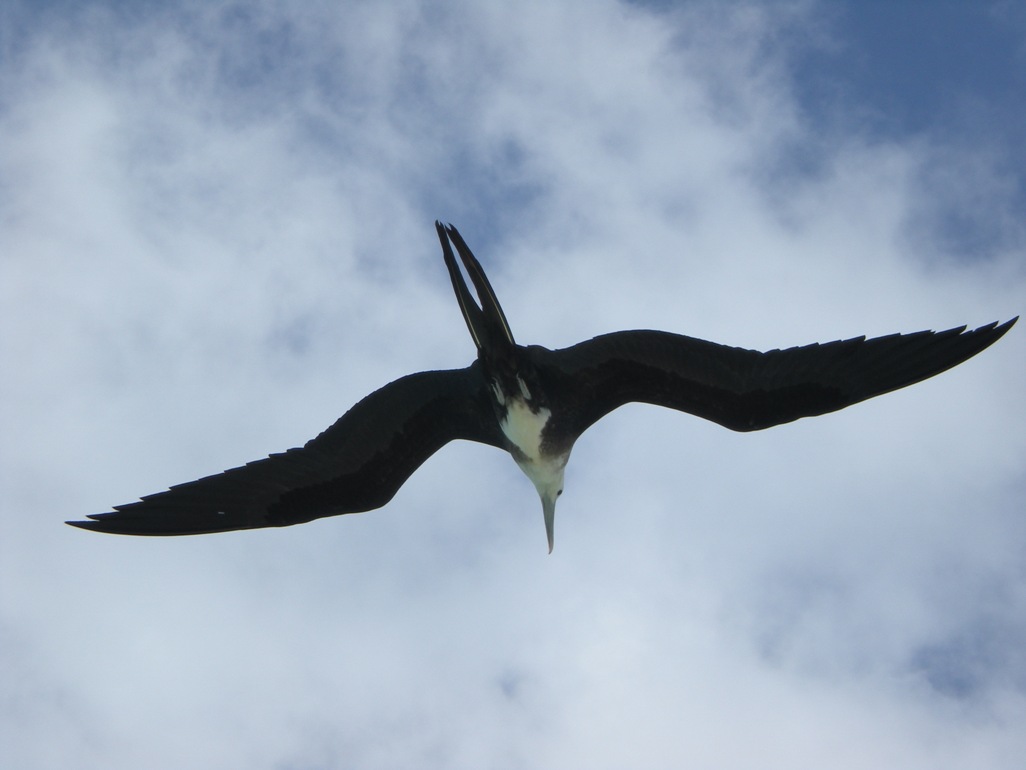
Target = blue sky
(941,68)
(216,236)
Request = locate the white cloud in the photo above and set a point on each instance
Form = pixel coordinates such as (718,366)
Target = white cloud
(215,229)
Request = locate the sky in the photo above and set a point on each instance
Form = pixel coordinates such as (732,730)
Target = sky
(216,235)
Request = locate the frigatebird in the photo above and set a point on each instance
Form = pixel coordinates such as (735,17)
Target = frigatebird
(535,403)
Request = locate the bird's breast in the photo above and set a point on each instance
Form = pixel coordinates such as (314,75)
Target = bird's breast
(524,427)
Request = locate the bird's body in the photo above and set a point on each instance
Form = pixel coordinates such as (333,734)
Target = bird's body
(534,403)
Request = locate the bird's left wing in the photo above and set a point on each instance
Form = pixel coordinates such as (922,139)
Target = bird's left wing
(357,464)
(746,389)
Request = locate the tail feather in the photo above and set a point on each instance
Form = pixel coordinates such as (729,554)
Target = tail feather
(486,322)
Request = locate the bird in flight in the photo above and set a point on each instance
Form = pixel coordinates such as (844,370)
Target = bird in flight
(535,403)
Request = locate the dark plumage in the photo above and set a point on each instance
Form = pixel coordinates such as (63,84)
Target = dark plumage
(535,403)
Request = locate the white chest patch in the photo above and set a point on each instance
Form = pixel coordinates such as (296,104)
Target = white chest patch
(524,428)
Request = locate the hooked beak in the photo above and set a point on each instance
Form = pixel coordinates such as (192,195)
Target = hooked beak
(549,509)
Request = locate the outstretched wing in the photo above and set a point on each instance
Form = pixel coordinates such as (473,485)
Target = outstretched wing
(357,464)
(747,390)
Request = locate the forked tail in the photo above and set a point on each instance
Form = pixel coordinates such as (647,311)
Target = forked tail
(486,322)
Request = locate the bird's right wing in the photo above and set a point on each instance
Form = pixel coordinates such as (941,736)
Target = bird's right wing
(748,390)
(356,465)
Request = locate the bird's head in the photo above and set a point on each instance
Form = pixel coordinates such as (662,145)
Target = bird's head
(548,495)
(548,480)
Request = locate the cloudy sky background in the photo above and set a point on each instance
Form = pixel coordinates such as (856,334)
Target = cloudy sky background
(216,236)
